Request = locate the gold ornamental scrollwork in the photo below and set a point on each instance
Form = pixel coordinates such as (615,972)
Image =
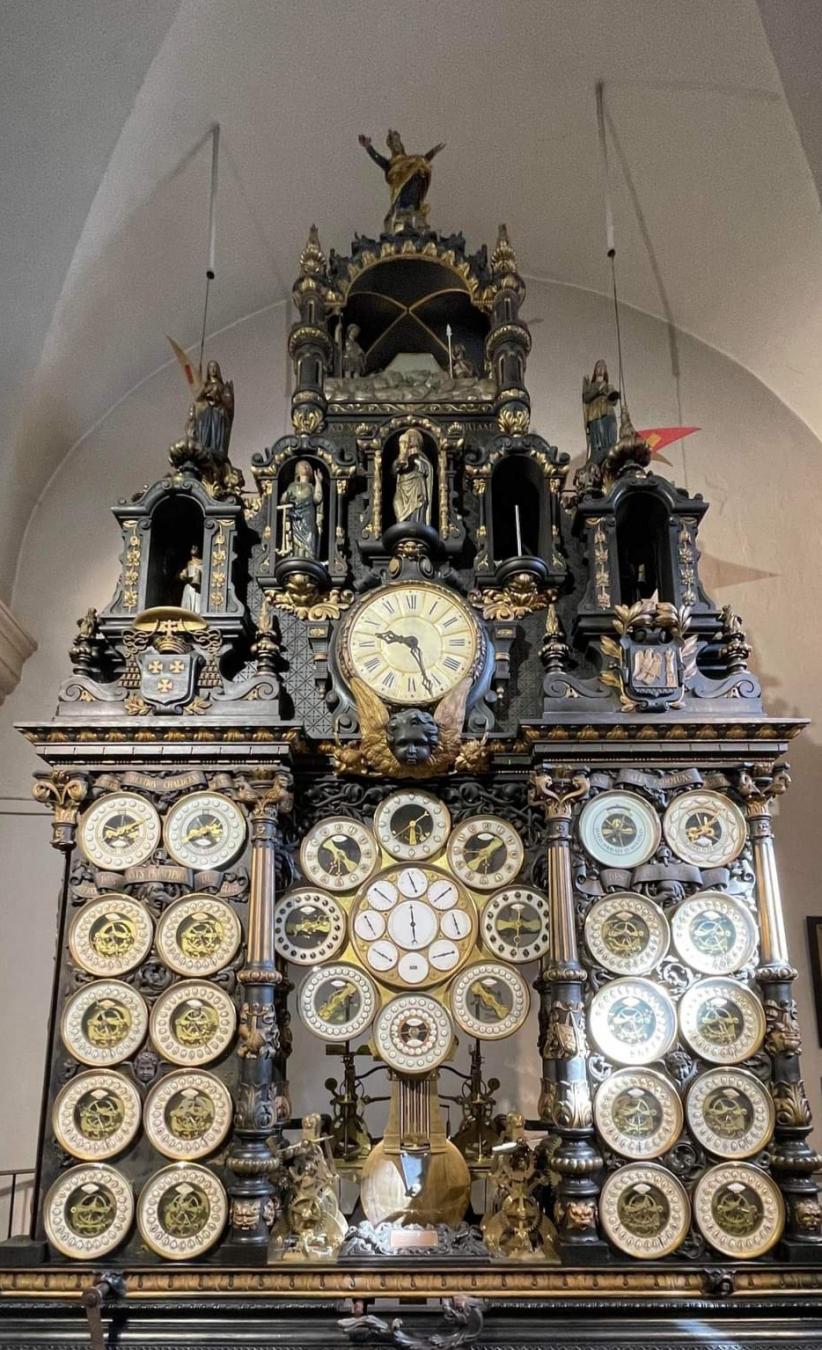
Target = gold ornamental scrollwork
(759,784)
(63,793)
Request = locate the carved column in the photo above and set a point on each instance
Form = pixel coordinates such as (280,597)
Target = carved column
(259,1110)
(793,1160)
(565,1102)
(64,793)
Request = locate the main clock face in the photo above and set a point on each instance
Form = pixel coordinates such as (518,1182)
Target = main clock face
(411,643)
(413,926)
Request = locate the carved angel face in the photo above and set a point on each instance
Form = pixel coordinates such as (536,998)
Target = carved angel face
(413,736)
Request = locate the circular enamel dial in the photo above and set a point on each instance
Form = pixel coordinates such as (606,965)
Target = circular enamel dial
(193,1022)
(338,1002)
(632,1021)
(339,854)
(181,1211)
(644,1210)
(198,935)
(111,935)
(619,829)
(413,926)
(739,1209)
(188,1114)
(489,1000)
(96,1115)
(413,1033)
(104,1023)
(638,1113)
(730,1113)
(412,826)
(721,1020)
(88,1211)
(516,924)
(204,830)
(411,642)
(714,933)
(485,853)
(309,926)
(626,933)
(705,828)
(120,830)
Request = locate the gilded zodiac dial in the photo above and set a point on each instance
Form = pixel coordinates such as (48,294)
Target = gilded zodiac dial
(638,1113)
(119,831)
(198,935)
(714,933)
(110,935)
(516,924)
(705,828)
(411,643)
(204,830)
(489,1000)
(88,1211)
(193,1022)
(730,1112)
(645,1210)
(309,926)
(739,1209)
(338,1002)
(412,826)
(485,852)
(96,1115)
(619,828)
(104,1023)
(632,1021)
(188,1114)
(339,854)
(627,933)
(181,1211)
(413,926)
(722,1020)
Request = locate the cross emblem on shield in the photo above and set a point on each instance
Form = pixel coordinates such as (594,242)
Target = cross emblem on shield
(166,680)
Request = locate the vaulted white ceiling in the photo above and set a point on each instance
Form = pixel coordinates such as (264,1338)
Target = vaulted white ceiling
(106,105)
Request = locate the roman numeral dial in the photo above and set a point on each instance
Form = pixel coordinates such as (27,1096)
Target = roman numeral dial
(412,643)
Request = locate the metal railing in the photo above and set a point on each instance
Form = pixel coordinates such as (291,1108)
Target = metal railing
(18,1195)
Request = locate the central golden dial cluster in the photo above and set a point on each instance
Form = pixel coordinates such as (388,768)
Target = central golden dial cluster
(412,925)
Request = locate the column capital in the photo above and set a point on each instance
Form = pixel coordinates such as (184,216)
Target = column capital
(64,793)
(758,784)
(556,789)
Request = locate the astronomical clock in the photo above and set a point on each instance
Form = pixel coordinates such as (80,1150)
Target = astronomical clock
(445,756)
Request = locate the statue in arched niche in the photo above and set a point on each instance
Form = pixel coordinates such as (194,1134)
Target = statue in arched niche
(414,491)
(353,356)
(302,507)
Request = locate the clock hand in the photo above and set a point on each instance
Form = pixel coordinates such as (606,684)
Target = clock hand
(197,831)
(129,828)
(483,856)
(340,856)
(413,925)
(413,645)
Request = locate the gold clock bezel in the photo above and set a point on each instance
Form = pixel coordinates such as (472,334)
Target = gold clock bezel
(506,1026)
(149,831)
(329,904)
(163,1037)
(423,1006)
(734,832)
(232,845)
(82,950)
(58,1232)
(313,870)
(388,838)
(747,1003)
(742,1081)
(68,1134)
(148,1210)
(418,697)
(355,1026)
(175,956)
(675,1230)
(73,1034)
(497,945)
(772,1223)
(159,1133)
(463,904)
(657,1085)
(515,855)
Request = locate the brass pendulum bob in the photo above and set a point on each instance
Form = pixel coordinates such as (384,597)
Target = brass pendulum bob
(415,1175)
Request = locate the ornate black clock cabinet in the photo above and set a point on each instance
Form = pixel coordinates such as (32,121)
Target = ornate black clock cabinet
(413,736)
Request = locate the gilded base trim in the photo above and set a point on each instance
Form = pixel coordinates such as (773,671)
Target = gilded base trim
(333,1282)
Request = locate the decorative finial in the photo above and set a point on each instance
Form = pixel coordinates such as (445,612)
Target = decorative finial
(554,649)
(503,258)
(408,178)
(312,258)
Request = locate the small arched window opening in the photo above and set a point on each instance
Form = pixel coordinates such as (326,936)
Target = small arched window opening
(176,530)
(518,493)
(643,549)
